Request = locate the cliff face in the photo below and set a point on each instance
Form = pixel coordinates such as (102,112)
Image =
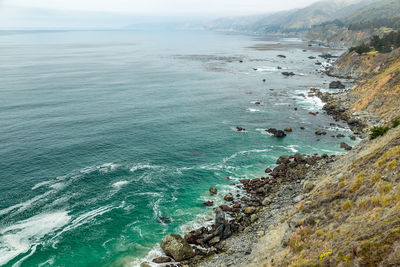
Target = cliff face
(351,218)
(377,90)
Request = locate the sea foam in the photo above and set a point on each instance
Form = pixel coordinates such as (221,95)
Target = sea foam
(27,234)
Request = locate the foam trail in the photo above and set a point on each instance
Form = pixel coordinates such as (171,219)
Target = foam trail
(120,184)
(85,218)
(25,235)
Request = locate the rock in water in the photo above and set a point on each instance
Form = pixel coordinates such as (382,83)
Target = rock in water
(276,133)
(177,247)
(213,190)
(345,146)
(161,260)
(228,197)
(288,129)
(163,219)
(337,85)
(208,203)
(219,217)
(288,73)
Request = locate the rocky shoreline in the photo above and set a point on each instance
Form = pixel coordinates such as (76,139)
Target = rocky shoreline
(256,205)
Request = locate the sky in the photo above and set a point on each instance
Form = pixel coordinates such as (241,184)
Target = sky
(40,12)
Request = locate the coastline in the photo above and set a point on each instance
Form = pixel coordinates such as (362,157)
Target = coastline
(261,203)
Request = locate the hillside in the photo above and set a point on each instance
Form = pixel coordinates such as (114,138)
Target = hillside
(290,22)
(378,85)
(346,210)
(374,19)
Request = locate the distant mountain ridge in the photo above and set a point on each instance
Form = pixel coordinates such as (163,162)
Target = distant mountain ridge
(292,21)
(375,19)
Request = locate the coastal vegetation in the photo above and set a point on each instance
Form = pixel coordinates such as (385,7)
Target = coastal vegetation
(384,44)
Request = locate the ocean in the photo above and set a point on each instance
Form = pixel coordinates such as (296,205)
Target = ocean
(103,132)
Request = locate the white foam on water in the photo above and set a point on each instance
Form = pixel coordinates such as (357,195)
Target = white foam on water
(24,205)
(240,153)
(253,110)
(236,130)
(24,235)
(155,252)
(48,262)
(266,69)
(311,103)
(119,184)
(40,184)
(104,168)
(291,148)
(83,219)
(141,166)
(18,263)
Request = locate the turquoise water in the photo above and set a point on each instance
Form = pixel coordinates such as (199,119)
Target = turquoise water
(102,132)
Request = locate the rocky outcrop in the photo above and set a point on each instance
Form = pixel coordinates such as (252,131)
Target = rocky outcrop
(337,85)
(285,73)
(276,133)
(177,247)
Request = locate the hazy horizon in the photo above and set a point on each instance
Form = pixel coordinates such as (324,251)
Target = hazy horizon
(122,13)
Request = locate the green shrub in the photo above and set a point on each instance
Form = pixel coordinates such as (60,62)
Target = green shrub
(395,123)
(377,131)
(361,49)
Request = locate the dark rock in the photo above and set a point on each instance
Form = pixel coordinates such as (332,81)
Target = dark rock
(336,85)
(236,205)
(163,219)
(225,208)
(288,73)
(161,260)
(219,217)
(282,56)
(302,128)
(240,129)
(268,170)
(353,138)
(213,190)
(228,197)
(345,146)
(340,136)
(279,68)
(264,80)
(257,103)
(208,203)
(311,57)
(319,132)
(276,133)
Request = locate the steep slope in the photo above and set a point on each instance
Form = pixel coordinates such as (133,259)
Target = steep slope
(374,19)
(349,219)
(378,86)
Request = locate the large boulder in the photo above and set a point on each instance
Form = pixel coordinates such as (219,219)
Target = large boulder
(337,85)
(276,133)
(177,247)
(345,146)
(213,190)
(228,197)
